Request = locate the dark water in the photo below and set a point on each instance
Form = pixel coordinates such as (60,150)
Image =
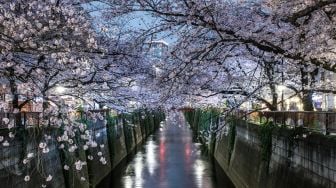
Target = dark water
(169,159)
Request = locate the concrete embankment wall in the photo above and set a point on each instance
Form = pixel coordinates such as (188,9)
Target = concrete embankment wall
(297,160)
(115,141)
(287,158)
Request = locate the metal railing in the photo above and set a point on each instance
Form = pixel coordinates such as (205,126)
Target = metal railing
(323,122)
(24,119)
(29,119)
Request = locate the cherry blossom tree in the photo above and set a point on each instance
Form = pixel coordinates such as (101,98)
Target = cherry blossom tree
(299,33)
(50,44)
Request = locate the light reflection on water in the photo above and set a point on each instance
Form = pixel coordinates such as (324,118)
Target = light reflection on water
(150,154)
(138,166)
(169,159)
(128,182)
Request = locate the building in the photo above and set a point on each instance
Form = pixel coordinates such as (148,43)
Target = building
(6,100)
(325,101)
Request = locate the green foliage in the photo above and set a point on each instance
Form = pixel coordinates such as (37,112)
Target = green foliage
(128,131)
(147,120)
(112,122)
(265,136)
(204,122)
(80,109)
(261,120)
(190,116)
(84,121)
(206,119)
(315,126)
(232,136)
(291,137)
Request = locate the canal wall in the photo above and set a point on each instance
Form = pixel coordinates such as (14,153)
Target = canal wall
(13,170)
(115,140)
(258,156)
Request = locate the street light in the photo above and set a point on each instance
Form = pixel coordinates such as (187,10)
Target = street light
(60,89)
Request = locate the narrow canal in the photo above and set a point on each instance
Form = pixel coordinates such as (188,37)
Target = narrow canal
(169,159)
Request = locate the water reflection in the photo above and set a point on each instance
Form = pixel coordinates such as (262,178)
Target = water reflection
(169,159)
(128,182)
(199,172)
(150,154)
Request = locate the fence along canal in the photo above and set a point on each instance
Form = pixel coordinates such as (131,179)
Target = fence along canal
(114,140)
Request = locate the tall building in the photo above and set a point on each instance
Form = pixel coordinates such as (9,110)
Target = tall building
(156,53)
(156,50)
(325,101)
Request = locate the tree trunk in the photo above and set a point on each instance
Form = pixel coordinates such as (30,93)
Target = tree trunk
(269,70)
(307,100)
(15,94)
(45,103)
(307,94)
(274,98)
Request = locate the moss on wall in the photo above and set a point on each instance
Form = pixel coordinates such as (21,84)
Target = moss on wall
(267,155)
(115,140)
